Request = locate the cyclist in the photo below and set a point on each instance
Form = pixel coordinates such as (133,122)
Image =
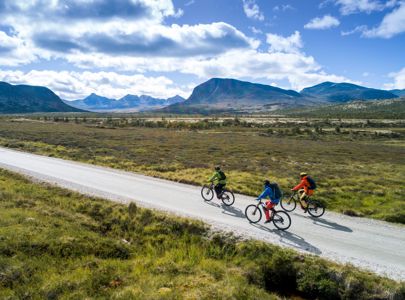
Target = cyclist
(220,178)
(306,188)
(269,191)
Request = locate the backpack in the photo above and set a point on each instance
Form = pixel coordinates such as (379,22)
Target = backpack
(276,190)
(222,175)
(312,184)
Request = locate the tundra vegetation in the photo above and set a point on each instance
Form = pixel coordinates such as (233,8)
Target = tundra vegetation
(57,244)
(358,164)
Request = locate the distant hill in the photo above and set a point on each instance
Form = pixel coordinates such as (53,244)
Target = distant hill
(129,103)
(216,95)
(399,93)
(370,109)
(344,92)
(30,99)
(91,101)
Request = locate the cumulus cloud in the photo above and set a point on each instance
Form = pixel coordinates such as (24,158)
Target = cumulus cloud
(76,85)
(14,51)
(123,27)
(137,43)
(348,7)
(252,10)
(398,80)
(325,22)
(158,40)
(392,24)
(283,61)
(290,44)
(60,10)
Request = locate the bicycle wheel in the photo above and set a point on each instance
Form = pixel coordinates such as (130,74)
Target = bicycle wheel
(315,208)
(207,193)
(288,204)
(253,213)
(281,220)
(227,198)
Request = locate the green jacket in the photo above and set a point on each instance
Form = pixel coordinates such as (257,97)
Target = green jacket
(217,177)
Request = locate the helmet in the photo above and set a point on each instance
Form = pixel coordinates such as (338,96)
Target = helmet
(217,168)
(303,174)
(266,182)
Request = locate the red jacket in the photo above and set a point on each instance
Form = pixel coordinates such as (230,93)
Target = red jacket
(304,184)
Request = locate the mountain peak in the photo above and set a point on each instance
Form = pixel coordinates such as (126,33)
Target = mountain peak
(29,99)
(224,94)
(344,91)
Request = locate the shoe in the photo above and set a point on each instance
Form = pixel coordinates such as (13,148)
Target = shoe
(267,221)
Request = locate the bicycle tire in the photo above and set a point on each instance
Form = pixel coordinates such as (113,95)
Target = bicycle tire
(207,193)
(281,220)
(228,198)
(251,211)
(315,208)
(288,204)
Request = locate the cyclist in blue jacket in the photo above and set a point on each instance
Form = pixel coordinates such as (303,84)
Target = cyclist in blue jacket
(269,204)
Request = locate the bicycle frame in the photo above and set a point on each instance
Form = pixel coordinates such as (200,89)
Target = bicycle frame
(260,203)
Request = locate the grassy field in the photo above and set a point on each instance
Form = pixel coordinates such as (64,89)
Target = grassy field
(358,171)
(56,244)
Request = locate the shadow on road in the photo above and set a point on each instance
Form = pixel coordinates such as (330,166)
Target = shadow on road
(291,239)
(325,223)
(232,211)
(331,225)
(228,210)
(212,203)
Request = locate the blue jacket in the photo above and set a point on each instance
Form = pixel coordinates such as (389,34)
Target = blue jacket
(268,192)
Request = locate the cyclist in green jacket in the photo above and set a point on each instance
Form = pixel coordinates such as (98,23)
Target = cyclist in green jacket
(220,178)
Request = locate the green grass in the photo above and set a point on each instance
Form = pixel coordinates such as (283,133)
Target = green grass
(56,244)
(356,174)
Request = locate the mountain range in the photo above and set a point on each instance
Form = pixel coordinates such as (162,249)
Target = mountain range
(129,103)
(213,96)
(220,95)
(30,99)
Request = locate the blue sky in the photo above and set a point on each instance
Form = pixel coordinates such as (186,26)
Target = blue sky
(166,47)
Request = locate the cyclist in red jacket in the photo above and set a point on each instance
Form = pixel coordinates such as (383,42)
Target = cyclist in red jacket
(306,188)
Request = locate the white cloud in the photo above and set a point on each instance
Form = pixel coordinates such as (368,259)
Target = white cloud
(283,7)
(14,51)
(325,22)
(357,29)
(302,80)
(392,24)
(398,80)
(284,61)
(348,7)
(118,28)
(252,10)
(290,44)
(111,38)
(191,2)
(255,30)
(76,85)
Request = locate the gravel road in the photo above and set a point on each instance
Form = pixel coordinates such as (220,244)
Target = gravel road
(369,244)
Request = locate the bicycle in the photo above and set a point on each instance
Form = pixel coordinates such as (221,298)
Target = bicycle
(314,207)
(280,218)
(227,197)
